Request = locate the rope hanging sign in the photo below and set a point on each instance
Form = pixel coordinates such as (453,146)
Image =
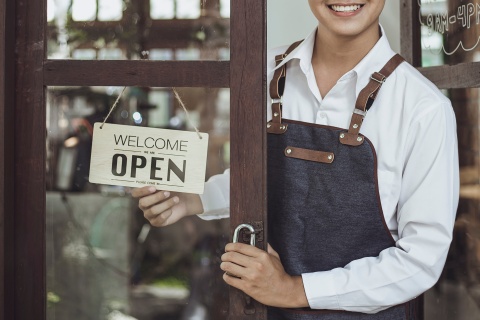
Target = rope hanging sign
(132,156)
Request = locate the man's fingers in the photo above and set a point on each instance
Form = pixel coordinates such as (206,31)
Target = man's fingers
(272,252)
(245,249)
(237,258)
(233,269)
(153,199)
(142,192)
(152,213)
(161,219)
(233,281)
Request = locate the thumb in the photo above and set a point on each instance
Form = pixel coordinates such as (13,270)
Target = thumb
(272,252)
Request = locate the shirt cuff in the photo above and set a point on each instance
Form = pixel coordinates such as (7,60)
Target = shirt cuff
(320,290)
(215,205)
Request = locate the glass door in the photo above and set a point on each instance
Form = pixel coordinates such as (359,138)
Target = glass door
(83,250)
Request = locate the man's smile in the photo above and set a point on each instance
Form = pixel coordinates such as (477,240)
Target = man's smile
(344,8)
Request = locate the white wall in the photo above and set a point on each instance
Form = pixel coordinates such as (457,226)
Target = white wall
(291,20)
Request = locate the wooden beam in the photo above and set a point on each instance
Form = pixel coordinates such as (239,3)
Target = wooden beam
(248,193)
(463,75)
(30,130)
(211,74)
(175,33)
(410,33)
(7,49)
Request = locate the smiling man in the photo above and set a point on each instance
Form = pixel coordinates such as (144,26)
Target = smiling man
(362,178)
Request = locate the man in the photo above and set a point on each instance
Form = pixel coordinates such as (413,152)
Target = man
(361,204)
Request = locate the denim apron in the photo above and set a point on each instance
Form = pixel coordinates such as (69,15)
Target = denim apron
(324,207)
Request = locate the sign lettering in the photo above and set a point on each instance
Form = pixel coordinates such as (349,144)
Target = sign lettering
(137,156)
(466,16)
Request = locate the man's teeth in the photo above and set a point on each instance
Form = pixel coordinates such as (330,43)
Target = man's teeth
(346,8)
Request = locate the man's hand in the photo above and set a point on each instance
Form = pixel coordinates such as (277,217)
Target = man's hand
(261,276)
(162,208)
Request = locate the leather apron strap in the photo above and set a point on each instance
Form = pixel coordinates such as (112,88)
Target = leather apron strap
(277,86)
(365,100)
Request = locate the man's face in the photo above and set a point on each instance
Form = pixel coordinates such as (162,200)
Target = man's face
(347,18)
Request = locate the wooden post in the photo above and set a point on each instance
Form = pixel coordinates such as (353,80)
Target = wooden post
(410,33)
(7,32)
(248,135)
(30,130)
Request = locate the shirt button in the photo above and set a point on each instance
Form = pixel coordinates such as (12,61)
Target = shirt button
(323,115)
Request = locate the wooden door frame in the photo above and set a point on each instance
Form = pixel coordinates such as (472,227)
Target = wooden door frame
(7,31)
(22,188)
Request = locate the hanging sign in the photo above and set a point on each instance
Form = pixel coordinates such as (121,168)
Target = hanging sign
(131,156)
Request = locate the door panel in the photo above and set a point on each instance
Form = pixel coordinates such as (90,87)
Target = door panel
(62,228)
(103,258)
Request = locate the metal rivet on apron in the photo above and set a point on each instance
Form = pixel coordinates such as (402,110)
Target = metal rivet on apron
(289,151)
(269,125)
(275,114)
(330,157)
(282,127)
(342,135)
(359,139)
(355,126)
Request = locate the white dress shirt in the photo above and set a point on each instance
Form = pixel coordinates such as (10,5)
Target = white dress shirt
(412,127)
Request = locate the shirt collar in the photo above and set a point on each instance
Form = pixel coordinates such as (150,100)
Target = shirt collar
(375,60)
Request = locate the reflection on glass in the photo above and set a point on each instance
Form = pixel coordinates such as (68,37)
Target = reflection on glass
(104,261)
(188,9)
(110,10)
(450,31)
(457,294)
(84,10)
(136,27)
(162,9)
(50,10)
(225,8)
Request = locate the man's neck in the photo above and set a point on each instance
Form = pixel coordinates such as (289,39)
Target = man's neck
(333,56)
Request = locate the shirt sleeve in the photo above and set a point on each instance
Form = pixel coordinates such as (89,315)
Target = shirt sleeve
(216,197)
(425,213)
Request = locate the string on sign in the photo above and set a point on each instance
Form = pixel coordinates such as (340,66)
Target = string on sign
(177,96)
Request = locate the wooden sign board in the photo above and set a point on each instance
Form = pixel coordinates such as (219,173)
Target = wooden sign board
(131,156)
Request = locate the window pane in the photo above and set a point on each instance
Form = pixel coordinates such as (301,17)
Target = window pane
(104,261)
(170,25)
(110,10)
(84,10)
(450,32)
(162,9)
(225,8)
(188,9)
(50,10)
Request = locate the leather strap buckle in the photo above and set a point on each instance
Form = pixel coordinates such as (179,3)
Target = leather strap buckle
(278,100)
(360,112)
(378,77)
(280,57)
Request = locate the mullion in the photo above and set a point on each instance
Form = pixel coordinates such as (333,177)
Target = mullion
(209,74)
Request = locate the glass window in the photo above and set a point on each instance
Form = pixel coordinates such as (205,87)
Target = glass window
(450,31)
(164,9)
(104,261)
(110,10)
(225,8)
(104,25)
(84,10)
(188,9)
